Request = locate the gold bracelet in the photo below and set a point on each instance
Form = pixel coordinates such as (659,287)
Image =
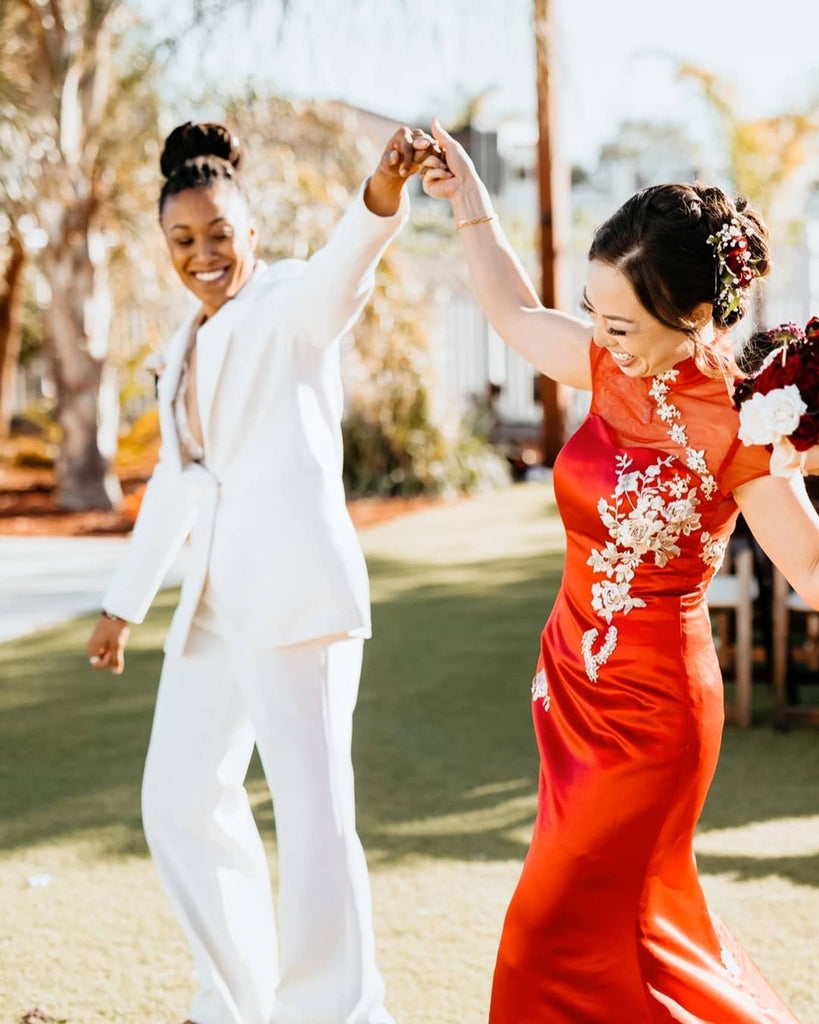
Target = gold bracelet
(474,220)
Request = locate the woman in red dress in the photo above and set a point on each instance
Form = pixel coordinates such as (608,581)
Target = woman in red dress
(608,924)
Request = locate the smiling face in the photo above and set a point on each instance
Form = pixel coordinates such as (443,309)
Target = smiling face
(211,241)
(638,343)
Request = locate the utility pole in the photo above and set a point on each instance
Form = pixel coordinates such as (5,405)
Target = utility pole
(553,195)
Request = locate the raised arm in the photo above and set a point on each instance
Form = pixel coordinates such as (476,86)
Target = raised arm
(780,515)
(554,343)
(332,290)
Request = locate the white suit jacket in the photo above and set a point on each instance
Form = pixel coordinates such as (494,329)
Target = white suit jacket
(268,520)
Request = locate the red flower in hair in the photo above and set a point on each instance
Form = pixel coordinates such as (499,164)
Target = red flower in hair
(735,267)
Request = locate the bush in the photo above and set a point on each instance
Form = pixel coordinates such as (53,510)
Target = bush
(388,456)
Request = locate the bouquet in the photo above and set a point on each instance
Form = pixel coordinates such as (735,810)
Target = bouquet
(779,404)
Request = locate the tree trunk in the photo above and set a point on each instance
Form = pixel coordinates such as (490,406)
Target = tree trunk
(11,329)
(77,322)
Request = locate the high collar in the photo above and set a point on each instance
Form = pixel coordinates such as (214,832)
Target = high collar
(683,374)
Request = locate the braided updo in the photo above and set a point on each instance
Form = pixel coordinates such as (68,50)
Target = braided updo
(198,155)
(659,240)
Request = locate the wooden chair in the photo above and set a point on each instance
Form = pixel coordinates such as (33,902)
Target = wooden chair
(731,593)
(786,604)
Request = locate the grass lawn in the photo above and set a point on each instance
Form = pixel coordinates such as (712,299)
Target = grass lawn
(446,770)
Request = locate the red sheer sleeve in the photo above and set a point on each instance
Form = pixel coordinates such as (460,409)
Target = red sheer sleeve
(742,464)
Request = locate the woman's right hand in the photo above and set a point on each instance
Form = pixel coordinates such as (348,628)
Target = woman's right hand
(106,645)
(460,171)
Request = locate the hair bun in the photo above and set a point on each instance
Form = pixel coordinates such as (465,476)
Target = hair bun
(194,139)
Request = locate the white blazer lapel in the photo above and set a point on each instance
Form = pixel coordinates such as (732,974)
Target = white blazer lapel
(213,343)
(168,383)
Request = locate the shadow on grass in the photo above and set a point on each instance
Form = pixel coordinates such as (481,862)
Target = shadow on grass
(801,870)
(764,775)
(445,758)
(72,741)
(445,754)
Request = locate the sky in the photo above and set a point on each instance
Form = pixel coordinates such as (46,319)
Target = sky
(616,59)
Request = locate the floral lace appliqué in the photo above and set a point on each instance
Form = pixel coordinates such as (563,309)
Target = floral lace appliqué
(670,414)
(713,550)
(593,660)
(645,517)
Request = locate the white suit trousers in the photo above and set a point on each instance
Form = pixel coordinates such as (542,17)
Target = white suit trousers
(296,703)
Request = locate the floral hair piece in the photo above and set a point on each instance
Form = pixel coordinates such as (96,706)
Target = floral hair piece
(779,405)
(735,268)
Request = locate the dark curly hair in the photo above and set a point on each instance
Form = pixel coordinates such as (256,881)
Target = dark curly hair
(199,155)
(659,240)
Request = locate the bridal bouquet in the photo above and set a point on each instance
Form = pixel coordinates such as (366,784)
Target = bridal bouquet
(779,404)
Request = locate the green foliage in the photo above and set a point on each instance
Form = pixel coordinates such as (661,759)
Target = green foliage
(391,451)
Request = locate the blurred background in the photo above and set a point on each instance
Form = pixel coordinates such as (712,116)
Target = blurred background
(566,108)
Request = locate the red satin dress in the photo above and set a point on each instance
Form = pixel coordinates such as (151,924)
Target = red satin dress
(608,924)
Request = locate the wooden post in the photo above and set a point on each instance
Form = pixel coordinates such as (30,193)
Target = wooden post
(552,195)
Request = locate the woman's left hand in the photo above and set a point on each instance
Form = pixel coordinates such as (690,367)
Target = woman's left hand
(408,152)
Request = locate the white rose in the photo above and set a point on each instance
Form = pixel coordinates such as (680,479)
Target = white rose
(785,409)
(765,418)
(755,421)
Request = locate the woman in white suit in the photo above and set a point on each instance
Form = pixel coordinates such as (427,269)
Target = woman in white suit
(266,643)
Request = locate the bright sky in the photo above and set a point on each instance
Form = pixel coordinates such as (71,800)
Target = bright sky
(412,58)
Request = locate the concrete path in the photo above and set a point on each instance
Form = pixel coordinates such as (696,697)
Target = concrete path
(47,580)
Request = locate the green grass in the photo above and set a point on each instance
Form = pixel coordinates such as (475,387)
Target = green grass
(446,775)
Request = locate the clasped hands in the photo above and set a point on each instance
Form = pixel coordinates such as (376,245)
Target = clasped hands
(436,156)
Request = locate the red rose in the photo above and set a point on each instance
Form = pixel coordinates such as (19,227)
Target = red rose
(735,259)
(809,381)
(775,375)
(806,434)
